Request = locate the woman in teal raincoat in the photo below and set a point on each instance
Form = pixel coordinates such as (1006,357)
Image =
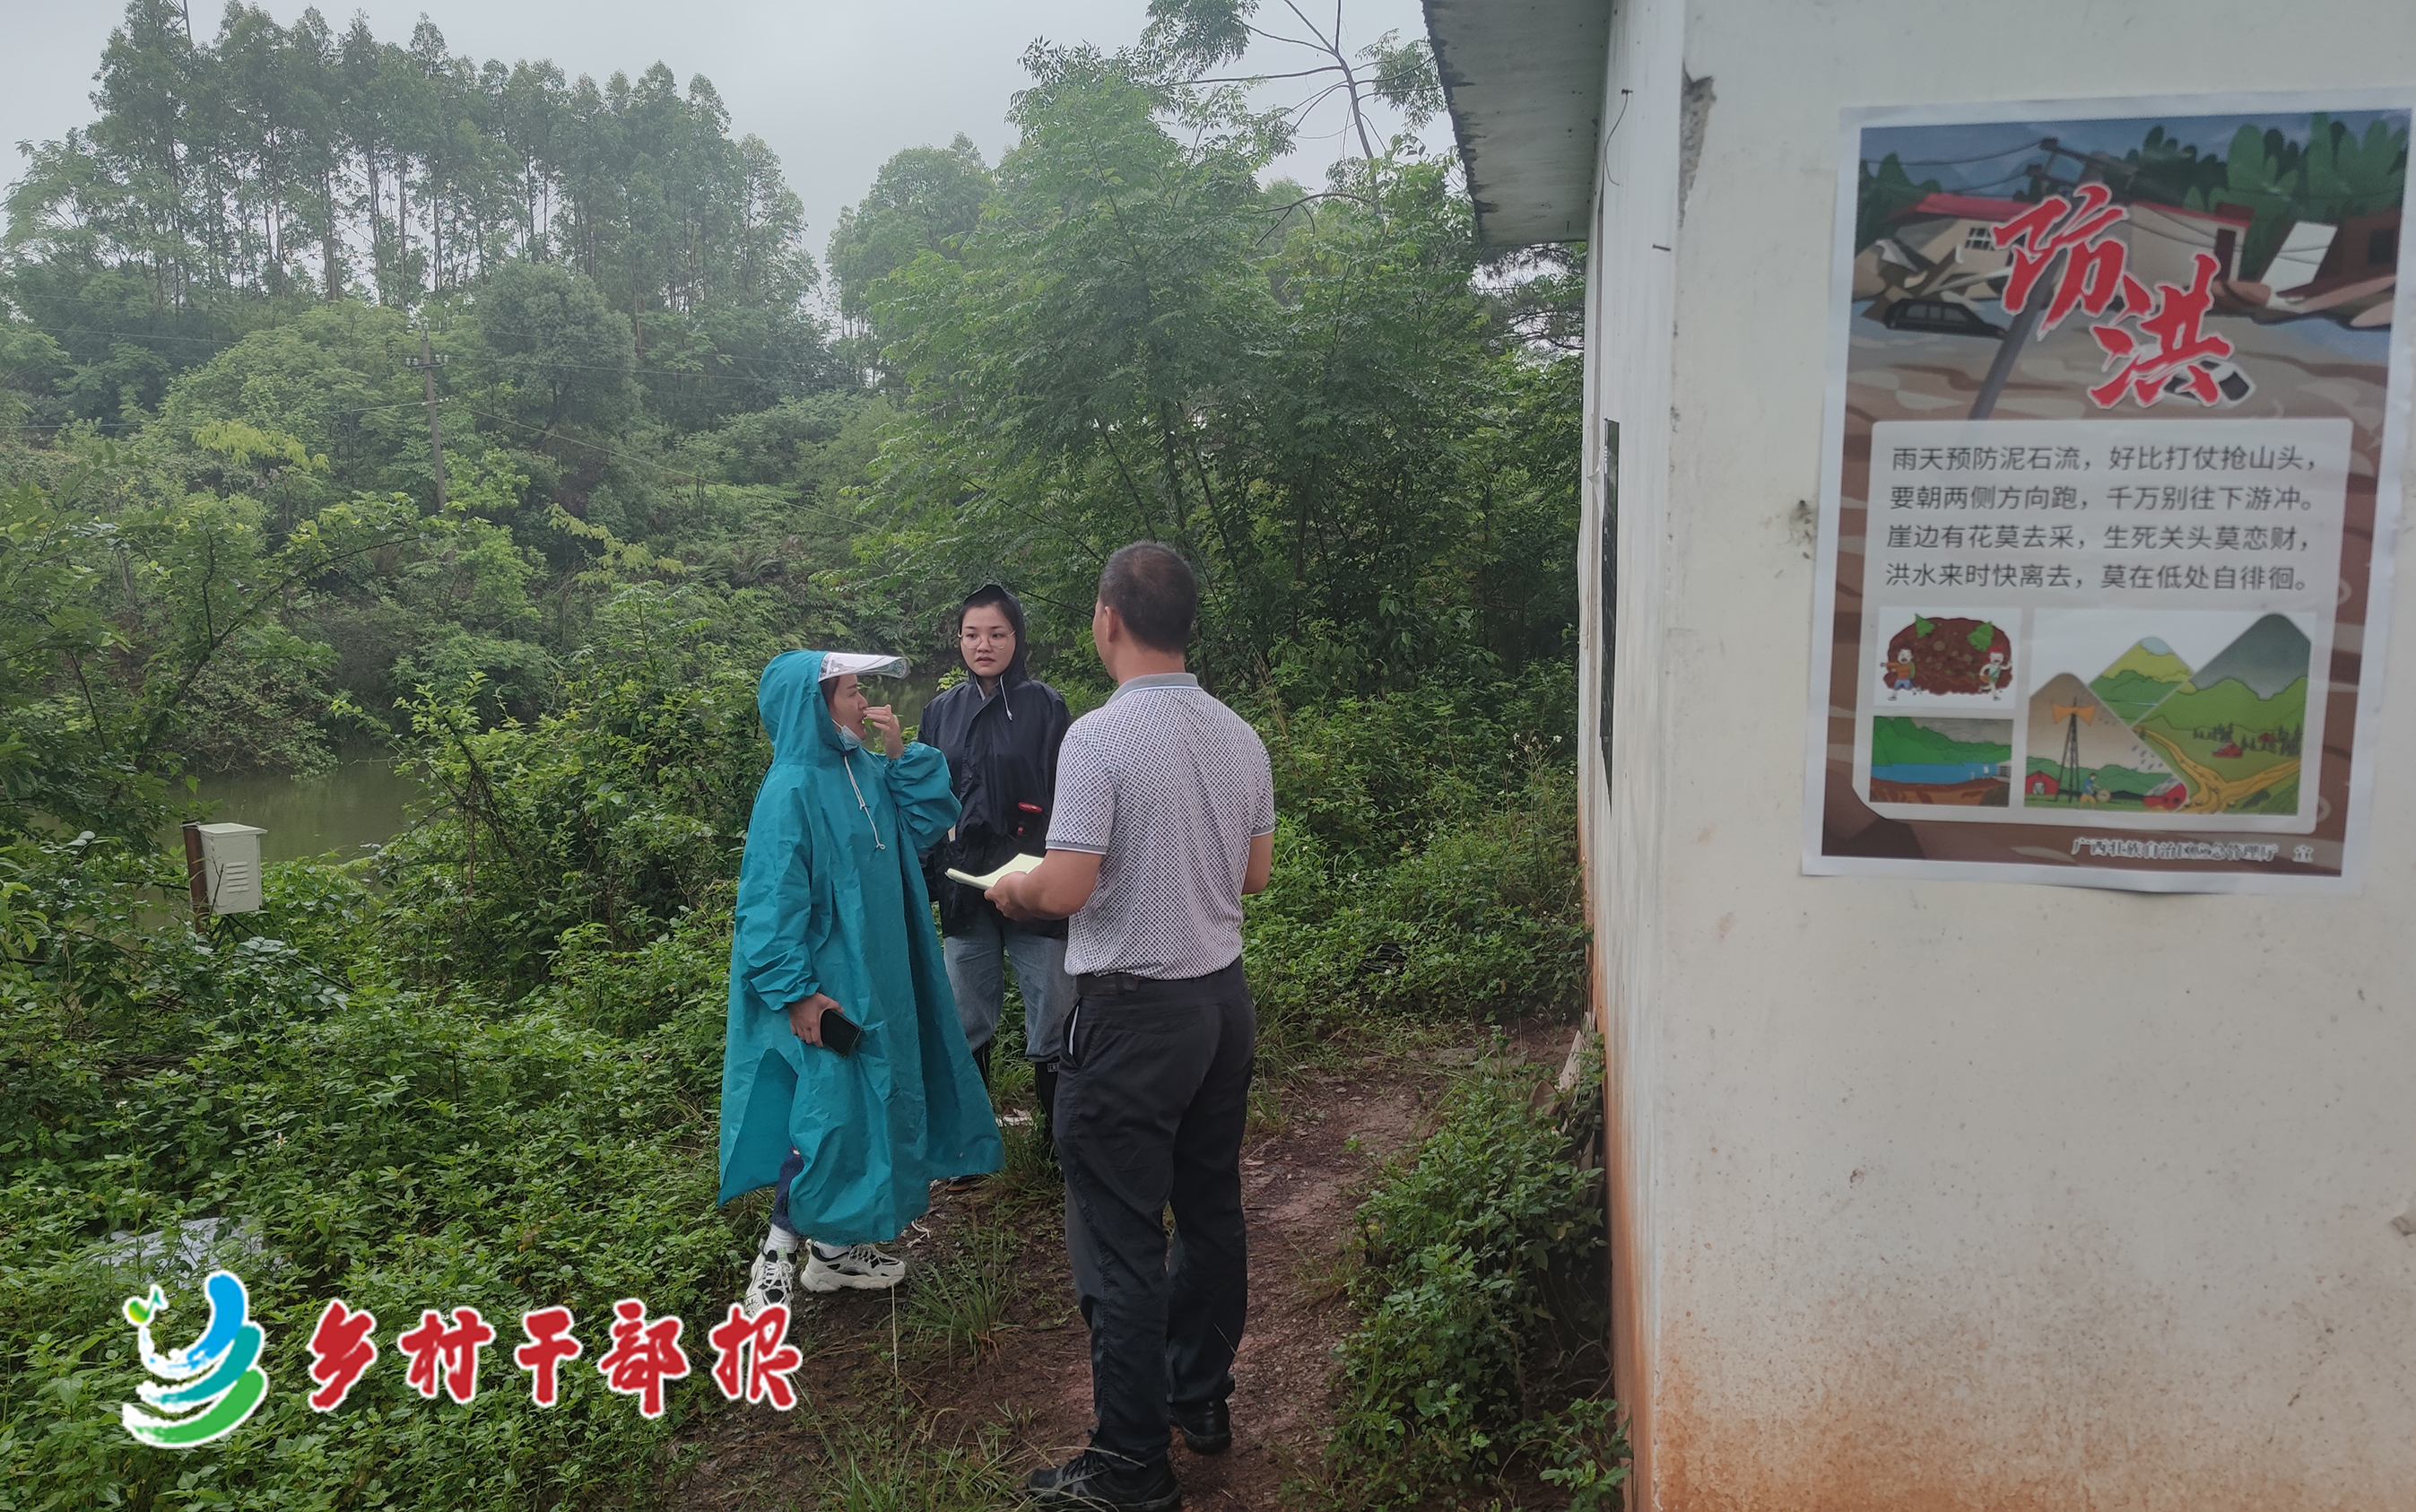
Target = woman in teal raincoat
(832,912)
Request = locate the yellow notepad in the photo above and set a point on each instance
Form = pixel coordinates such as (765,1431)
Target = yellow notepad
(1015,866)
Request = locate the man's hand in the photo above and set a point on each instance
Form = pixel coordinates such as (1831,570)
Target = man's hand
(806,1018)
(883,718)
(1055,889)
(1007,895)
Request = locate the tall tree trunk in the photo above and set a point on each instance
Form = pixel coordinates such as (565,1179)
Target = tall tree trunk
(327,236)
(402,228)
(377,221)
(275,216)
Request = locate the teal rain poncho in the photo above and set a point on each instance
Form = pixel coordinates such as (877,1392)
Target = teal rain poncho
(831,900)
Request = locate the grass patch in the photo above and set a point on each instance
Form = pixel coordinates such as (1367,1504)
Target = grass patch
(958,1303)
(889,1456)
(1484,1316)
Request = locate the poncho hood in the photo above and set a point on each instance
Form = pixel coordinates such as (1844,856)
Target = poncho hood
(796,714)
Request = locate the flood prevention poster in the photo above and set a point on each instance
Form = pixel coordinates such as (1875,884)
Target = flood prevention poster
(2117,410)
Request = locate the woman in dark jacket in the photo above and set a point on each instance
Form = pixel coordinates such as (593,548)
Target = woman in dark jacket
(1000,730)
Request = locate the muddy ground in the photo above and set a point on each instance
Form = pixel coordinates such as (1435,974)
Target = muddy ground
(941,1424)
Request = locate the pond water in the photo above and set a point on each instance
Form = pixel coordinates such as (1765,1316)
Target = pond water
(908,694)
(1944,772)
(362,802)
(365,800)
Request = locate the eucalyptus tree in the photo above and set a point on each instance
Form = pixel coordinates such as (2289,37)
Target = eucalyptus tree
(225,180)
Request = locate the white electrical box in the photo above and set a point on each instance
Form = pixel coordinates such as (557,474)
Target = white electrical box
(231,866)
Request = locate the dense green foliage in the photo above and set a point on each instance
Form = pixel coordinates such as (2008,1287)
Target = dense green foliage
(1303,392)
(400,1150)
(1438,882)
(480,1066)
(1483,1305)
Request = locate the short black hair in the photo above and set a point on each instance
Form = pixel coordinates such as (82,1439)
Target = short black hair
(1152,589)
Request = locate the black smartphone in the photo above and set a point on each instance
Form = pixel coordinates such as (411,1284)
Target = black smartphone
(839,1035)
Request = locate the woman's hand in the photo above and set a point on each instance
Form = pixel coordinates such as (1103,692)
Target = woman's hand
(883,718)
(806,1018)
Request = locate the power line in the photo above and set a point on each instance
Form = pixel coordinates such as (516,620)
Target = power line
(2032,145)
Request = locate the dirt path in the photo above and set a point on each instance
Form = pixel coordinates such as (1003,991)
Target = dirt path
(946,1431)
(2211,792)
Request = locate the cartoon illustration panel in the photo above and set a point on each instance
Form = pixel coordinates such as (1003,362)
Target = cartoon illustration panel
(2194,714)
(1939,759)
(2117,397)
(1944,657)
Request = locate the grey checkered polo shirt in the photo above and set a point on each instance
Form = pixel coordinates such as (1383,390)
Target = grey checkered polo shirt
(1168,787)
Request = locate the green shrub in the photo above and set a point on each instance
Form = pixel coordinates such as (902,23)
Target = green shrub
(1485,919)
(1485,1310)
(396,1149)
(624,810)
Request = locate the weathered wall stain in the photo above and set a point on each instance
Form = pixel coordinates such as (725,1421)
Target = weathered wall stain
(2075,1384)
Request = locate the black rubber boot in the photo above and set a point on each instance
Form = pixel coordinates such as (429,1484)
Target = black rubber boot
(981,1062)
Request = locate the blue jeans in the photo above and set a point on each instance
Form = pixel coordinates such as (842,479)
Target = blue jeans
(791,1170)
(975,970)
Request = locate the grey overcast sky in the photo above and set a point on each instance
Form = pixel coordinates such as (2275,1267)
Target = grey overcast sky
(834,85)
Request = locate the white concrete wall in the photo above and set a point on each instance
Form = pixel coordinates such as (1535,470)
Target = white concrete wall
(1959,1196)
(1632,289)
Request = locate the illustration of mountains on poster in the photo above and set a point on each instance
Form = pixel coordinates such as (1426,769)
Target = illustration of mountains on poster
(2115,425)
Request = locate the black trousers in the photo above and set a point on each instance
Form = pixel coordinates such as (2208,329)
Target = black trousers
(1153,1089)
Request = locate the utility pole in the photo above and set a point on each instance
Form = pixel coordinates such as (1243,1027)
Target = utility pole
(2018,334)
(427,362)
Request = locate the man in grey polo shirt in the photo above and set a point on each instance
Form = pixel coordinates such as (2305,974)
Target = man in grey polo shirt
(1165,818)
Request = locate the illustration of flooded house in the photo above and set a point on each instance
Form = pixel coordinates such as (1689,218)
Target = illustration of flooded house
(2042,785)
(2166,239)
(2357,278)
(1937,263)
(2348,273)
(2299,260)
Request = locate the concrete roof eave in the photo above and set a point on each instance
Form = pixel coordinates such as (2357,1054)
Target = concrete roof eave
(1524,80)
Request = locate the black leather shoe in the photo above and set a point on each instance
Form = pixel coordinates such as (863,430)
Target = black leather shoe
(1100,1482)
(1205,1429)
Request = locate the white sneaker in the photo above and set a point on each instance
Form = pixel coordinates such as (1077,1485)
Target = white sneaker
(769,1279)
(859,1267)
